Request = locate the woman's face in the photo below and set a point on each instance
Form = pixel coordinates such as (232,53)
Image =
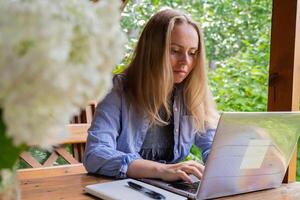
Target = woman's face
(183,50)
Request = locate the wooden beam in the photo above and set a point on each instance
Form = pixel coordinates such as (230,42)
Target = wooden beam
(296,91)
(78,133)
(284,73)
(62,170)
(66,155)
(27,157)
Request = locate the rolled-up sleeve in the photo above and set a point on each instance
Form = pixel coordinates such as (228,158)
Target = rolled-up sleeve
(204,142)
(101,155)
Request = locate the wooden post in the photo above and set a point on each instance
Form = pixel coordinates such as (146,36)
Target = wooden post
(284,73)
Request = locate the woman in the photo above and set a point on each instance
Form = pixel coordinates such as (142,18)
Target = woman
(157,108)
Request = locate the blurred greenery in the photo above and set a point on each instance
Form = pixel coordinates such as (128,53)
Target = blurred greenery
(8,148)
(237,40)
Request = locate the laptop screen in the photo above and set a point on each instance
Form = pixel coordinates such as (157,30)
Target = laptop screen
(250,152)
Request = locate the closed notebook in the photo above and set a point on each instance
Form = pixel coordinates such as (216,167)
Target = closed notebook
(119,190)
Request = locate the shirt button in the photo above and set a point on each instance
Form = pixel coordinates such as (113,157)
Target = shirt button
(176,130)
(175,109)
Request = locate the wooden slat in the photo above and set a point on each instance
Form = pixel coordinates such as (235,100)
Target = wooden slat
(124,4)
(34,173)
(285,63)
(89,113)
(78,151)
(81,151)
(66,155)
(82,117)
(75,151)
(78,133)
(290,175)
(51,159)
(27,157)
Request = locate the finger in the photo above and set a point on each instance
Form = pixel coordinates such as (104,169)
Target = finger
(192,170)
(184,176)
(199,166)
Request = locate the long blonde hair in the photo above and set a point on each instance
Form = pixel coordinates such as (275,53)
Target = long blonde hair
(149,76)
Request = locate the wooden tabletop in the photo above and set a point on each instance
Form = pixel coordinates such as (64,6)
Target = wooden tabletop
(71,186)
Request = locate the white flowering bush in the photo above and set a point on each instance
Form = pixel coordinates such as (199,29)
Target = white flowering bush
(55,56)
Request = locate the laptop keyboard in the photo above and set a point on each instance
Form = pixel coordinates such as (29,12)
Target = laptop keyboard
(188,187)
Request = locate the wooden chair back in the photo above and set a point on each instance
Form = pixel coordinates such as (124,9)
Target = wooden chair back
(78,134)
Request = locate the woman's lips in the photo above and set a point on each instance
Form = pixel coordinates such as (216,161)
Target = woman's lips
(180,72)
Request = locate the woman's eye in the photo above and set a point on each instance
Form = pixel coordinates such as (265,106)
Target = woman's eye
(193,53)
(174,51)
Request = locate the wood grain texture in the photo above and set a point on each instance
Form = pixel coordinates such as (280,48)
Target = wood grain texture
(42,172)
(29,159)
(78,133)
(66,155)
(72,187)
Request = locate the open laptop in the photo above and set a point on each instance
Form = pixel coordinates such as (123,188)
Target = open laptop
(250,152)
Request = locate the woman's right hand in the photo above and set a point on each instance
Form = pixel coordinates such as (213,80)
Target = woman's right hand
(181,171)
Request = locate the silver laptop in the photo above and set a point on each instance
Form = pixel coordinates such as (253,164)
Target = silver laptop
(250,152)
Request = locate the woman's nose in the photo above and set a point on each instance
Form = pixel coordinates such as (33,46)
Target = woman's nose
(184,59)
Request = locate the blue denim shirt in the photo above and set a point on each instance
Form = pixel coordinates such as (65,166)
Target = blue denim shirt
(117,134)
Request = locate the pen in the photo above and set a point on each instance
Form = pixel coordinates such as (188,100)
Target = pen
(146,191)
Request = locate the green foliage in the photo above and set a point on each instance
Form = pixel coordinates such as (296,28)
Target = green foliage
(8,148)
(298,162)
(229,26)
(240,82)
(195,154)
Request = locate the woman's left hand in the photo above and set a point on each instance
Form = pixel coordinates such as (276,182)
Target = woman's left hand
(173,172)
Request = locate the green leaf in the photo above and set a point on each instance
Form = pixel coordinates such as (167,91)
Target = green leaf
(24,46)
(9,152)
(155,2)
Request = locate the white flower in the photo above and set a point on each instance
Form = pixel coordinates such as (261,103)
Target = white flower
(9,185)
(55,56)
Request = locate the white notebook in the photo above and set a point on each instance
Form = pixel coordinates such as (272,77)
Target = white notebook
(119,190)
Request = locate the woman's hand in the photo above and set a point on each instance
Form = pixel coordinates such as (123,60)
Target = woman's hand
(173,172)
(141,168)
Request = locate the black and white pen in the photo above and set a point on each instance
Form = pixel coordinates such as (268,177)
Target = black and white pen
(146,191)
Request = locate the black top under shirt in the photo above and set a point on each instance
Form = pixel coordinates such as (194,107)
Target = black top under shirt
(158,144)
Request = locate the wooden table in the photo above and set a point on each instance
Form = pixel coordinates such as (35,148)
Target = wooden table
(72,187)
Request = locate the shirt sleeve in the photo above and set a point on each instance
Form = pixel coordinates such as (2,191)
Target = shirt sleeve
(101,155)
(204,142)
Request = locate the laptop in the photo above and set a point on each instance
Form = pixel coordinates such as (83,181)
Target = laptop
(250,152)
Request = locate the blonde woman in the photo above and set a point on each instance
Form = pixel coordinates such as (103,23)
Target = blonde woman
(157,108)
